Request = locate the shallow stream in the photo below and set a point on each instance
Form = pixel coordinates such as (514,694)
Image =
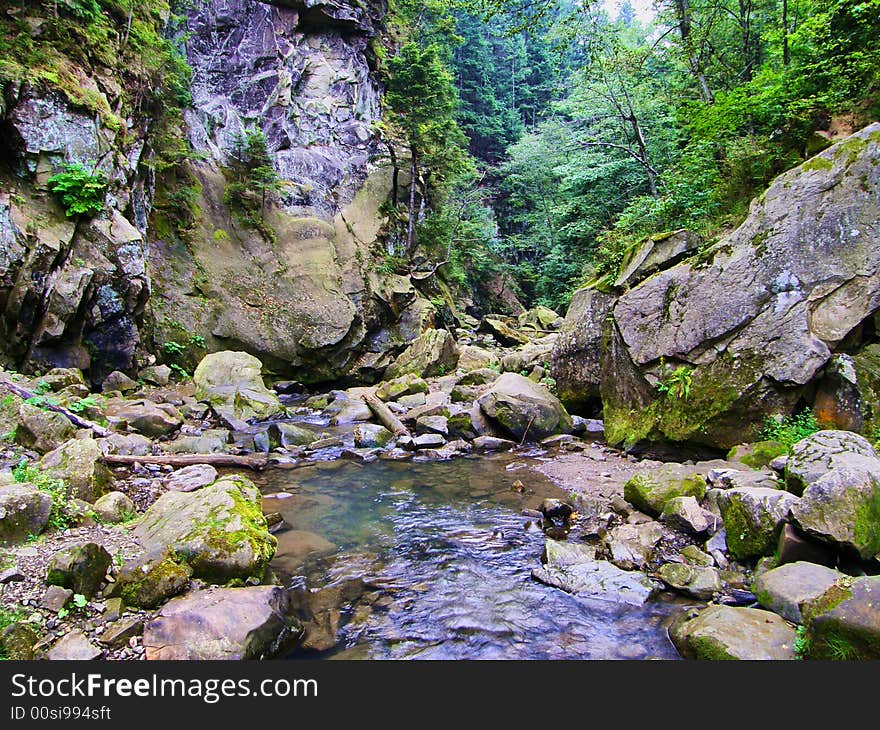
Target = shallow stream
(452,553)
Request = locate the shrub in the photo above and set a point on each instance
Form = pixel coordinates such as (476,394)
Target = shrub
(788,430)
(81,192)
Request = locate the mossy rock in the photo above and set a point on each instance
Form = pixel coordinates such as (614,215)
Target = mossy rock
(726,633)
(219,530)
(844,623)
(149,580)
(753,518)
(79,464)
(80,567)
(649,491)
(757,455)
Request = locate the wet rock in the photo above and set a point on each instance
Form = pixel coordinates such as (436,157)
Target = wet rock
(55,598)
(156,375)
(753,517)
(232,384)
(434,352)
(120,382)
(74,646)
(121,632)
(328,442)
(320,612)
(190,478)
(685,515)
(794,547)
(370,436)
(147,418)
(24,511)
(786,589)
(42,430)
(348,410)
(224,623)
(17,641)
(220,529)
(150,579)
(79,464)
(724,632)
(650,490)
(114,507)
(289,434)
(814,456)
(524,409)
(296,545)
(844,623)
(631,547)
(700,582)
(574,569)
(490,443)
(842,507)
(81,568)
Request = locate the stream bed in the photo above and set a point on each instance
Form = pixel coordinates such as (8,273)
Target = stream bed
(449,548)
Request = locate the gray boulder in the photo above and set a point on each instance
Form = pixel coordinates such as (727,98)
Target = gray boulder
(434,352)
(698,581)
(723,632)
(524,409)
(24,511)
(114,507)
(650,489)
(79,465)
(814,456)
(685,515)
(190,478)
(232,384)
(785,590)
(41,429)
(223,623)
(147,418)
(844,623)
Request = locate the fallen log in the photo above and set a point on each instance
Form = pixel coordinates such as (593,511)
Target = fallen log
(257,462)
(385,416)
(69,415)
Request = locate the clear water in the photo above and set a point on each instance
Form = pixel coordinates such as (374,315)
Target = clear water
(451,552)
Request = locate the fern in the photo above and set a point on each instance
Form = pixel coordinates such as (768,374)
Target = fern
(81,192)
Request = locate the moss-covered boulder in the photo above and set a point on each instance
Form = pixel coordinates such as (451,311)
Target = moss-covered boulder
(723,632)
(813,457)
(17,641)
(232,384)
(114,507)
(223,623)
(753,517)
(148,580)
(80,567)
(786,589)
(434,352)
(219,530)
(371,435)
(41,429)
(524,409)
(290,434)
(696,581)
(650,489)
(842,508)
(757,455)
(79,464)
(409,384)
(540,318)
(844,623)
(24,511)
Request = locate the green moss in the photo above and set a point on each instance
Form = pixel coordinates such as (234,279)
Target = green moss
(759,242)
(650,495)
(758,455)
(708,648)
(745,538)
(143,593)
(817,163)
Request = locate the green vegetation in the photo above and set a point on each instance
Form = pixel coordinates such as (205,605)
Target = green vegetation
(59,516)
(252,180)
(80,191)
(788,430)
(676,382)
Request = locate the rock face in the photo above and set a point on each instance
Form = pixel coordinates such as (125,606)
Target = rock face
(753,321)
(722,632)
(225,623)
(231,382)
(524,408)
(219,530)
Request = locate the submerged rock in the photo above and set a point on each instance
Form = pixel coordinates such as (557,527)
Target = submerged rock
(223,623)
(574,569)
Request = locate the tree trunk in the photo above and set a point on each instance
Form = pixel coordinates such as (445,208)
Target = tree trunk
(411,225)
(257,462)
(385,416)
(683,11)
(786,51)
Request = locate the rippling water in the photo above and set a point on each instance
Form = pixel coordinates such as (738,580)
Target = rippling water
(452,552)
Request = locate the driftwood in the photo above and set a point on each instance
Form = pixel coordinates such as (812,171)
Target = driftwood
(69,415)
(257,462)
(384,414)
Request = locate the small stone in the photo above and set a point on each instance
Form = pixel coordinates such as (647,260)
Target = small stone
(74,646)
(694,556)
(112,609)
(55,598)
(122,632)
(11,575)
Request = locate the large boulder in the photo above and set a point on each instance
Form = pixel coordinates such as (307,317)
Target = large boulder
(698,581)
(723,632)
(812,457)
(41,429)
(219,530)
(79,465)
(649,490)
(655,253)
(844,622)
(232,384)
(503,333)
(785,590)
(147,418)
(753,518)
(150,579)
(222,623)
(540,318)
(842,508)
(524,408)
(24,511)
(574,569)
(476,358)
(754,319)
(434,352)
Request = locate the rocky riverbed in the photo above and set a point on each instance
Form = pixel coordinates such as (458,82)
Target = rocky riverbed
(175,554)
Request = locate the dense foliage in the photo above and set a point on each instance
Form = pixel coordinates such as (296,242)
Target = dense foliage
(81,191)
